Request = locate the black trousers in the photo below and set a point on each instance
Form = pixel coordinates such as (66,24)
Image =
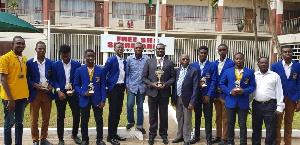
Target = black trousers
(115,100)
(207,110)
(61,112)
(242,119)
(85,116)
(158,103)
(264,112)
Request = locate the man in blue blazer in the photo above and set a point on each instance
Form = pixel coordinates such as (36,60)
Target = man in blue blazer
(289,72)
(63,72)
(115,75)
(185,93)
(207,71)
(221,117)
(90,84)
(237,83)
(40,92)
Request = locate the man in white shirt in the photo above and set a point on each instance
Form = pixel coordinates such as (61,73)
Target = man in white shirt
(267,103)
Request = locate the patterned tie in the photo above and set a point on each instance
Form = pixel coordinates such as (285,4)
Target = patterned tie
(180,80)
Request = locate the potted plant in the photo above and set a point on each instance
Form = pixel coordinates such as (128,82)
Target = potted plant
(214,4)
(240,25)
(13,5)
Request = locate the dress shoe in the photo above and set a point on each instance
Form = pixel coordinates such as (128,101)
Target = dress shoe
(36,142)
(194,140)
(208,143)
(151,141)
(142,130)
(186,143)
(45,142)
(165,140)
(120,138)
(177,140)
(76,139)
(113,141)
(129,126)
(100,142)
(86,142)
(223,142)
(61,142)
(216,140)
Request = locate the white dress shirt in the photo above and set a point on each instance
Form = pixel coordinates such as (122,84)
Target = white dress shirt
(42,68)
(202,65)
(67,68)
(268,86)
(221,65)
(122,71)
(161,62)
(287,68)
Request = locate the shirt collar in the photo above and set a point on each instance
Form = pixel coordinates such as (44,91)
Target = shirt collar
(184,68)
(119,58)
(258,72)
(67,63)
(223,60)
(35,59)
(162,58)
(203,62)
(13,53)
(284,64)
(143,56)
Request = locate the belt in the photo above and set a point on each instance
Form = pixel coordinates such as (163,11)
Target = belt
(267,102)
(122,84)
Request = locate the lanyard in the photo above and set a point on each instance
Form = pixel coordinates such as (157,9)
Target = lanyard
(91,72)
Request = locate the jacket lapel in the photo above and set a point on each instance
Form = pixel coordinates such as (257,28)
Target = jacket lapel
(282,69)
(205,69)
(61,67)
(292,70)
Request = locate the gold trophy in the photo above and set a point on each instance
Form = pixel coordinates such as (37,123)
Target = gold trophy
(70,90)
(159,73)
(45,85)
(91,89)
(237,85)
(203,80)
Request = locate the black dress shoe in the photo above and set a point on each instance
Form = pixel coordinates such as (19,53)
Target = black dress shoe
(76,139)
(208,143)
(45,142)
(61,142)
(86,142)
(36,142)
(151,141)
(165,140)
(120,138)
(186,143)
(129,126)
(113,141)
(194,140)
(223,142)
(177,140)
(142,130)
(216,140)
(100,142)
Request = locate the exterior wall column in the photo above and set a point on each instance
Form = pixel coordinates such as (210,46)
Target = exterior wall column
(279,17)
(219,16)
(106,13)
(46,8)
(163,14)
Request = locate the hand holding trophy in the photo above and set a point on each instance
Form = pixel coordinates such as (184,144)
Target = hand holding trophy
(70,90)
(203,82)
(159,73)
(91,89)
(237,85)
(45,85)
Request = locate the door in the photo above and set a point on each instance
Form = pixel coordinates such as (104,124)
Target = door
(170,10)
(99,16)
(150,17)
(249,20)
(52,12)
(5,46)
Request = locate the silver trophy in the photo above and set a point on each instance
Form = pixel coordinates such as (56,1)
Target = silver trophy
(91,89)
(159,73)
(70,88)
(237,85)
(203,82)
(45,85)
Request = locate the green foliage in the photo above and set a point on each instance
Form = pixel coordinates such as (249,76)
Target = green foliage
(13,4)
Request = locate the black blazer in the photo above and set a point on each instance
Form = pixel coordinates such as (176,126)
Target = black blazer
(190,87)
(149,77)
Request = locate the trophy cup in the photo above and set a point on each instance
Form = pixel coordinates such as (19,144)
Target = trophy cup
(91,89)
(237,85)
(203,80)
(70,90)
(45,85)
(159,73)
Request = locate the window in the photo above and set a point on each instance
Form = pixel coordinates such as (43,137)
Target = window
(80,8)
(132,11)
(33,7)
(233,14)
(289,14)
(191,13)
(264,16)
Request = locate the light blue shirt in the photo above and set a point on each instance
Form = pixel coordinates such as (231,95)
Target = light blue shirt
(134,70)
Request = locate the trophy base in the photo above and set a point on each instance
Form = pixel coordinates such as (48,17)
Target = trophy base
(45,89)
(159,84)
(91,92)
(204,86)
(69,92)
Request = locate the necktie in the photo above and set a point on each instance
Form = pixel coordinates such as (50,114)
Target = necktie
(180,80)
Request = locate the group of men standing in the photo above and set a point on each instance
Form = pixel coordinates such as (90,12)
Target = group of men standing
(197,86)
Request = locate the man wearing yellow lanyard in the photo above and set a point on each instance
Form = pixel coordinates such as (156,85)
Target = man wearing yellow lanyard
(90,84)
(237,83)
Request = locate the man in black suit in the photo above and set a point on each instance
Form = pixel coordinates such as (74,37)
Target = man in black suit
(158,92)
(186,89)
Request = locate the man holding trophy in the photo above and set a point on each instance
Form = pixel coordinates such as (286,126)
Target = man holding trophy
(158,75)
(208,77)
(63,72)
(237,83)
(40,92)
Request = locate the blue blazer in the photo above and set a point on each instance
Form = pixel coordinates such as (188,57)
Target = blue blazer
(228,64)
(189,89)
(111,69)
(59,78)
(82,80)
(227,83)
(291,85)
(33,76)
(210,73)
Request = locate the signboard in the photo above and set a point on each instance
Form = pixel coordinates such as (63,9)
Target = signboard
(108,41)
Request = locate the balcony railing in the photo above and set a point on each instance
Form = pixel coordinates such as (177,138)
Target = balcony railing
(182,23)
(231,25)
(290,26)
(132,21)
(31,16)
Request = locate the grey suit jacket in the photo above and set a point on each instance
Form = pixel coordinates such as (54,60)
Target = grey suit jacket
(149,77)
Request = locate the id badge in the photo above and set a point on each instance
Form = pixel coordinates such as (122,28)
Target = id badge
(21,76)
